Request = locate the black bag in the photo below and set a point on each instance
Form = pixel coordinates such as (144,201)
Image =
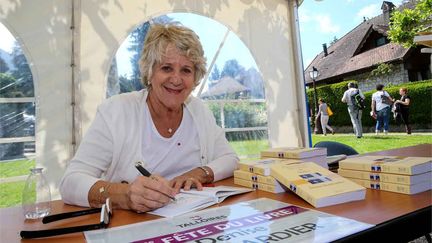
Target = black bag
(358,101)
(386,100)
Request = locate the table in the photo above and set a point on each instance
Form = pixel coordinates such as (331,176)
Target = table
(397,216)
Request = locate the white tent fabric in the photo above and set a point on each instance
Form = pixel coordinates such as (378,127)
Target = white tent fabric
(267,27)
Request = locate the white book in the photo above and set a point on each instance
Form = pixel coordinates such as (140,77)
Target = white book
(188,201)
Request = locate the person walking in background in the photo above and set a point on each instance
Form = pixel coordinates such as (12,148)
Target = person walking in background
(380,106)
(322,110)
(353,97)
(404,104)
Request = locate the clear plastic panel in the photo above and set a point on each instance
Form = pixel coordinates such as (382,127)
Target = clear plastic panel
(17,119)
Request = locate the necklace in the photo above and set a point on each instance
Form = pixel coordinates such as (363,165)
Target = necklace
(154,114)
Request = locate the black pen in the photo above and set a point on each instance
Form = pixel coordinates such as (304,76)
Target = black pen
(145,173)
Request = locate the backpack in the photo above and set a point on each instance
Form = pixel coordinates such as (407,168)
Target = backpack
(358,101)
(386,100)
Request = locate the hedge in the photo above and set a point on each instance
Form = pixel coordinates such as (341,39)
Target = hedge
(420,108)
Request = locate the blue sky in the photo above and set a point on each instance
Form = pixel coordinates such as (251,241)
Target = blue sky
(321,21)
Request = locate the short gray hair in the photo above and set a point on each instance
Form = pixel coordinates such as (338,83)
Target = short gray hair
(184,39)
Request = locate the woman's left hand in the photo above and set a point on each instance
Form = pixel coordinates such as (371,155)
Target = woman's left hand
(191,179)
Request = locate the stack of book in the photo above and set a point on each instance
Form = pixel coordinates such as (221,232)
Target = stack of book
(316,155)
(256,174)
(407,175)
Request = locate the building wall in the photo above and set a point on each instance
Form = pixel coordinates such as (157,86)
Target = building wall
(366,83)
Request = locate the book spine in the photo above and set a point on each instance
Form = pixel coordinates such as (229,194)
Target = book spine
(266,179)
(354,166)
(270,188)
(280,155)
(245,183)
(265,171)
(245,175)
(400,188)
(245,167)
(396,169)
(364,175)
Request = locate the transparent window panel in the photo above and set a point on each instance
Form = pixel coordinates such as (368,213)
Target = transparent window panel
(17,119)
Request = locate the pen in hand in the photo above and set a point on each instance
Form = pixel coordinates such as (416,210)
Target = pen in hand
(145,173)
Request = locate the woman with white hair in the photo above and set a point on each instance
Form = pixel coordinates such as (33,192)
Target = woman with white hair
(173,133)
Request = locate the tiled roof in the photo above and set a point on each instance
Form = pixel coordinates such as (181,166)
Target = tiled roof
(342,58)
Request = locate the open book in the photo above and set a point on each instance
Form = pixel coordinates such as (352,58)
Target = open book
(188,201)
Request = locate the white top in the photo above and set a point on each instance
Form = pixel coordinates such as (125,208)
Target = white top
(346,98)
(378,100)
(170,157)
(117,139)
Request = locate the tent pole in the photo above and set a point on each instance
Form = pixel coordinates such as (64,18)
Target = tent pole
(213,62)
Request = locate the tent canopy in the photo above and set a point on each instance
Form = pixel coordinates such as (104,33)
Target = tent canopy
(70,45)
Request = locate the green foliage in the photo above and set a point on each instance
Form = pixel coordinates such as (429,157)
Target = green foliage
(22,73)
(420,93)
(8,89)
(406,24)
(231,68)
(241,115)
(215,74)
(3,66)
(382,69)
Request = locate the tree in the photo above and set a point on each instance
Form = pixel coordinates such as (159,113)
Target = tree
(407,23)
(22,72)
(382,70)
(231,69)
(215,74)
(3,66)
(335,39)
(136,45)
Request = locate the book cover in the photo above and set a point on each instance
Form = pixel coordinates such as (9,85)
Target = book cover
(249,221)
(192,200)
(293,152)
(393,187)
(261,166)
(386,177)
(275,188)
(388,164)
(316,185)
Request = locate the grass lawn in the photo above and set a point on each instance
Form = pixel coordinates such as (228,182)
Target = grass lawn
(16,167)
(10,192)
(371,143)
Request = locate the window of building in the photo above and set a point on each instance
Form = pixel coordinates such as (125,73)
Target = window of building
(380,41)
(17,119)
(233,88)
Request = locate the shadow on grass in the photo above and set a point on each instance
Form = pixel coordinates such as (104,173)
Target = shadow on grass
(384,138)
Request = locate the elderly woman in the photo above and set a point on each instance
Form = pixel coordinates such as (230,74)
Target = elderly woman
(173,133)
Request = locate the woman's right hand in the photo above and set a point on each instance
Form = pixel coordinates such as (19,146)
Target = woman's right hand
(148,193)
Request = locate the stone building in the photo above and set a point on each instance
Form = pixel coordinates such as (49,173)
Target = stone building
(361,50)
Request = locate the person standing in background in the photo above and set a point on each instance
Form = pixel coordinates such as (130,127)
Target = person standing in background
(380,106)
(322,110)
(353,110)
(404,104)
